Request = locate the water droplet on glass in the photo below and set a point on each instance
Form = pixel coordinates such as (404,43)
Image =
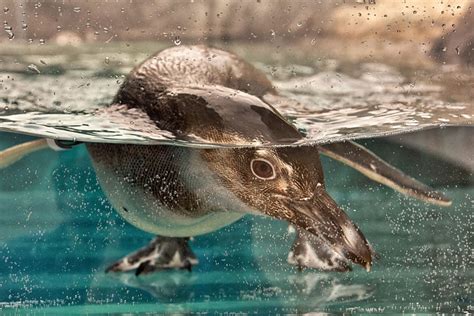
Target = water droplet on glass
(313,42)
(9,30)
(445,49)
(42,41)
(107,60)
(177,41)
(458,51)
(5,10)
(77,9)
(58,28)
(299,24)
(33,68)
(24,26)
(122,10)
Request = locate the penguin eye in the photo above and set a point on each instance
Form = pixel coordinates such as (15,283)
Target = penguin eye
(262,169)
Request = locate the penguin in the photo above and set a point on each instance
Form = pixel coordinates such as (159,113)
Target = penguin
(174,191)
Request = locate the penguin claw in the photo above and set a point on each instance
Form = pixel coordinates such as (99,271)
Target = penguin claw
(146,268)
(187,265)
(113,267)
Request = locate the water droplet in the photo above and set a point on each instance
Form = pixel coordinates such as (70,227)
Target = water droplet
(313,42)
(107,60)
(9,30)
(5,10)
(458,51)
(177,41)
(58,28)
(33,68)
(76,9)
(122,10)
(24,26)
(42,41)
(299,24)
(445,49)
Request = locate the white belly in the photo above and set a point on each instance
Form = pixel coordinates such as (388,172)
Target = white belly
(142,210)
(185,200)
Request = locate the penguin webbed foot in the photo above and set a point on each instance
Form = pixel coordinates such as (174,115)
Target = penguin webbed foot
(310,251)
(160,254)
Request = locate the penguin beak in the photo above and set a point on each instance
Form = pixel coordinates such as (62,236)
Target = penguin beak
(322,217)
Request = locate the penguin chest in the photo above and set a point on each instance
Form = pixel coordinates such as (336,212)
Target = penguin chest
(153,188)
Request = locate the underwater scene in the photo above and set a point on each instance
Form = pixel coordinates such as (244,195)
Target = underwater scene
(296,165)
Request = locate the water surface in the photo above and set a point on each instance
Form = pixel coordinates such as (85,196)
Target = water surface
(66,99)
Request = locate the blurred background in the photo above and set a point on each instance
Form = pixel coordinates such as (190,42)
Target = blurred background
(406,30)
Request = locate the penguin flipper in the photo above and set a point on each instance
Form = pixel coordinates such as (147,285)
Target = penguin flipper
(310,251)
(15,153)
(161,253)
(372,166)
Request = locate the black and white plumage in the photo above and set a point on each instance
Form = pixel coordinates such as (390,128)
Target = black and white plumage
(202,93)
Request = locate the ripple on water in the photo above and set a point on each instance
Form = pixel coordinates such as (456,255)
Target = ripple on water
(326,107)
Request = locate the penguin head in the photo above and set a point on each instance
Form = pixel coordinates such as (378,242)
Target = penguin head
(287,183)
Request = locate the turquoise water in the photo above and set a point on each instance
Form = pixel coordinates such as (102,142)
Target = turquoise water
(58,233)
